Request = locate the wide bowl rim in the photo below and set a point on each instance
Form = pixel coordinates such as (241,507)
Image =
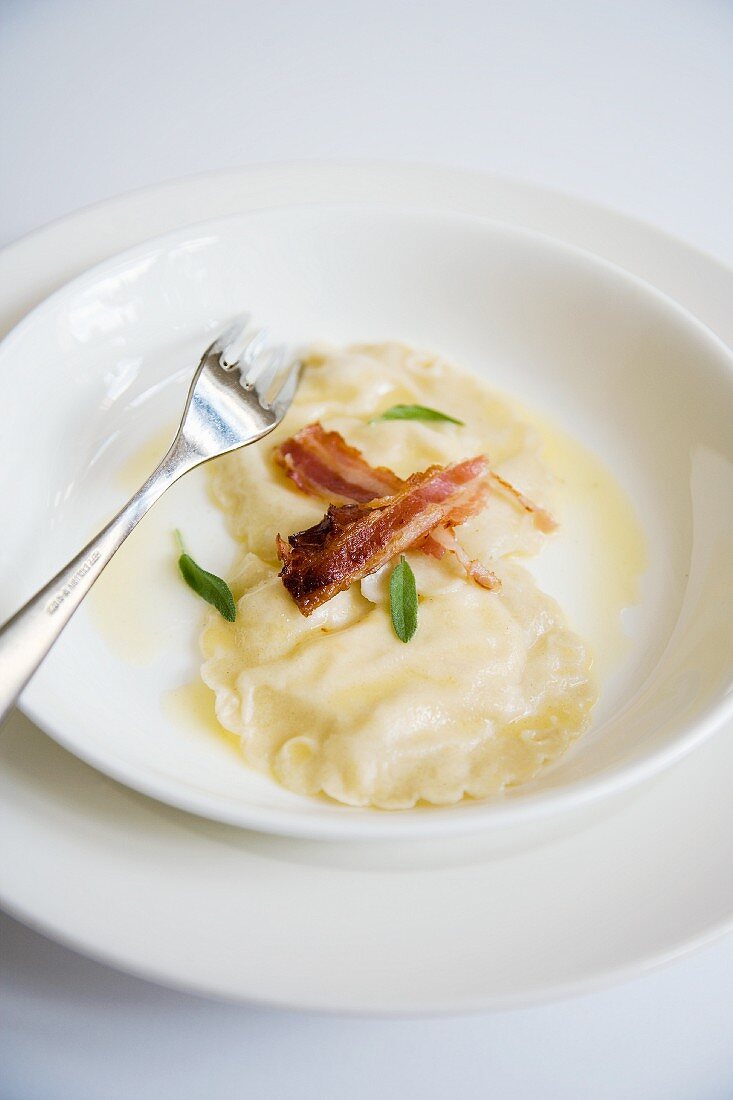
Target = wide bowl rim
(342,822)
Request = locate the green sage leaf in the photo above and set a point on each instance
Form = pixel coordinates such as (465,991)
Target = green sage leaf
(403,600)
(414,412)
(206,585)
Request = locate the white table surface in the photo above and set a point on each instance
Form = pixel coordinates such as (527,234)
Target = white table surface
(630,104)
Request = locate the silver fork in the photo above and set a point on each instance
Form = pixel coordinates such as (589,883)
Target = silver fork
(240,392)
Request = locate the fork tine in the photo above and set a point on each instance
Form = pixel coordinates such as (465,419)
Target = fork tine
(243,350)
(234,330)
(268,371)
(284,396)
(251,356)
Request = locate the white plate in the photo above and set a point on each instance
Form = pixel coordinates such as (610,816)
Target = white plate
(604,355)
(376,927)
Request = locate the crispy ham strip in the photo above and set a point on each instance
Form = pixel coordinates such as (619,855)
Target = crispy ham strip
(322,464)
(354,540)
(443,541)
(542,519)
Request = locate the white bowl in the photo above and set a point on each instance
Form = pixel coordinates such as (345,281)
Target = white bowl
(103,364)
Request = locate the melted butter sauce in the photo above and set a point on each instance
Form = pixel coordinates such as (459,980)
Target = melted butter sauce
(192,706)
(130,603)
(125,603)
(600,551)
(141,463)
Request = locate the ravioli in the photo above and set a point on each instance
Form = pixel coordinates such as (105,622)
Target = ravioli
(492,687)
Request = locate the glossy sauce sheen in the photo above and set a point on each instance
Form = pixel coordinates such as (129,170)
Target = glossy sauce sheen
(601,537)
(492,687)
(291,732)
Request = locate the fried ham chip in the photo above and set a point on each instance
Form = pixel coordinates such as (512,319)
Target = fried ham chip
(322,464)
(354,540)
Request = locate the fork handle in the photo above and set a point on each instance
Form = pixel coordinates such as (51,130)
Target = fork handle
(26,638)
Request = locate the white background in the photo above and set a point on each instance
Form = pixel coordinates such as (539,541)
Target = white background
(628,103)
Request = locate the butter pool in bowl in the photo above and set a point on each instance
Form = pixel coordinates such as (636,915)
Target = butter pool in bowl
(605,654)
